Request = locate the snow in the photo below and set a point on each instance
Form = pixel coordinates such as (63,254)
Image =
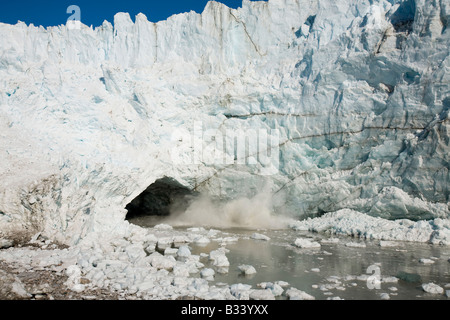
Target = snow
(90,118)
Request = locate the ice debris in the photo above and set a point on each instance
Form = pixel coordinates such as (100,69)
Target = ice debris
(432,288)
(305,243)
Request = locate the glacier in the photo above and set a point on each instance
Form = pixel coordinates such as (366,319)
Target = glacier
(357,93)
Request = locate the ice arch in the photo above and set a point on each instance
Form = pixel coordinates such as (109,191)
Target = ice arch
(162,197)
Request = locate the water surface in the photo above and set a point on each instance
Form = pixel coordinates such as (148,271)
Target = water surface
(333,270)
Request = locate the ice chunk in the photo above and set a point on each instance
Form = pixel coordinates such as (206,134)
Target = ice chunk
(282,283)
(305,243)
(73,282)
(135,252)
(247,269)
(295,294)
(207,273)
(202,240)
(355,244)
(163,226)
(259,236)
(170,251)
(276,288)
(261,295)
(426,261)
(389,244)
(219,258)
(183,252)
(384,296)
(241,291)
(18,288)
(329,241)
(181,270)
(5,243)
(394,289)
(391,279)
(164,243)
(161,262)
(432,288)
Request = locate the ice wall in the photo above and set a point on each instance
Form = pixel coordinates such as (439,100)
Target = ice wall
(358,94)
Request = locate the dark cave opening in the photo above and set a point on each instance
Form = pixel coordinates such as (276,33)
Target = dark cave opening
(161,198)
(403,18)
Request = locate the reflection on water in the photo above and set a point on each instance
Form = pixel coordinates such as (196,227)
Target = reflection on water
(335,269)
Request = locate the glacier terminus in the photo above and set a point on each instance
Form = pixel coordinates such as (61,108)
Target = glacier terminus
(325,116)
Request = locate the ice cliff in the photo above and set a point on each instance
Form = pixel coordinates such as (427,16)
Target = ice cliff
(357,92)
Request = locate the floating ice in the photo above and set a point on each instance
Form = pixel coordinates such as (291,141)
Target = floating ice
(207,273)
(389,243)
(259,236)
(305,243)
(183,252)
(247,269)
(384,296)
(426,261)
(432,288)
(261,295)
(295,294)
(355,244)
(219,258)
(241,291)
(329,241)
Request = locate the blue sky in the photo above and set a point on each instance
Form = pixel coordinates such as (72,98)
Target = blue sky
(94,12)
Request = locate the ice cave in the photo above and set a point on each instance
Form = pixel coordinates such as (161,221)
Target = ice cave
(161,198)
